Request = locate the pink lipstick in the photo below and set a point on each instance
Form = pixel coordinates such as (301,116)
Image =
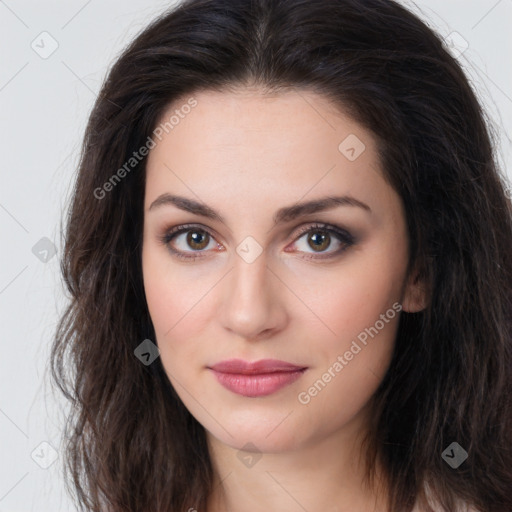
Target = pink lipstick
(259,378)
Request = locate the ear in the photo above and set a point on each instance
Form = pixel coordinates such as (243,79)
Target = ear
(416,295)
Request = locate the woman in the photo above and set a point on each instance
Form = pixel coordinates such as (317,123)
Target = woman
(288,255)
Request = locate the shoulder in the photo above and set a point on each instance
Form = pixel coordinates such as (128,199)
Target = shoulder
(461,506)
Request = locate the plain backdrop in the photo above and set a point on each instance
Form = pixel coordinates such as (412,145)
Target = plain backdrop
(54,56)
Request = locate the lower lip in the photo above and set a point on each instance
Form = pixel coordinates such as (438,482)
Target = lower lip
(262,384)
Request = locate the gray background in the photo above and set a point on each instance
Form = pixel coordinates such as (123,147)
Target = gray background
(44,104)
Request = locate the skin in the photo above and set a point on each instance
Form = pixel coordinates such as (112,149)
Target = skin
(246,155)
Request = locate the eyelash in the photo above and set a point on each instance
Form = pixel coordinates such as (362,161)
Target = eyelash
(345,238)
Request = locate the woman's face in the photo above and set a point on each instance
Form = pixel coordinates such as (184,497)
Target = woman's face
(268,269)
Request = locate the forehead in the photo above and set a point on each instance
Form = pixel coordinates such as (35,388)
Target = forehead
(238,144)
(229,116)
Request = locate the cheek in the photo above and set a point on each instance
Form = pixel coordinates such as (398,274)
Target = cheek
(165,292)
(351,365)
(178,305)
(354,298)
(160,286)
(169,293)
(360,311)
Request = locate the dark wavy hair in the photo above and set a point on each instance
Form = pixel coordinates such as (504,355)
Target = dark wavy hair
(130,443)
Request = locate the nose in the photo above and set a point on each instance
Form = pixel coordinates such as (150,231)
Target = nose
(252,305)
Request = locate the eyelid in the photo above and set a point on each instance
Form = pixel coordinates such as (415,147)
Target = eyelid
(343,236)
(326,227)
(183,228)
(171,233)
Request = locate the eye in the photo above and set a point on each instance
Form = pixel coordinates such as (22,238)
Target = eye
(195,240)
(190,237)
(319,238)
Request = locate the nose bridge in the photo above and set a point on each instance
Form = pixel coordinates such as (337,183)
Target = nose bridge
(249,273)
(250,303)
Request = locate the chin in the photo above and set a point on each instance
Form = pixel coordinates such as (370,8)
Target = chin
(267,435)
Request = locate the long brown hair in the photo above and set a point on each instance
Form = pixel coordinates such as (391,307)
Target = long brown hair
(131,445)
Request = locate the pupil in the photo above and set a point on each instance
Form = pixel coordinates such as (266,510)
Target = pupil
(318,240)
(194,239)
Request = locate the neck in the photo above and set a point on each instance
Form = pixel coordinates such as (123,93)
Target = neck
(326,474)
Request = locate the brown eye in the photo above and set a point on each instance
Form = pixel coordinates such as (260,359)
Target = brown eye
(197,239)
(319,240)
(188,242)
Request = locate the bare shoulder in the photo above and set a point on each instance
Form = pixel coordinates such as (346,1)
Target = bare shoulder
(461,507)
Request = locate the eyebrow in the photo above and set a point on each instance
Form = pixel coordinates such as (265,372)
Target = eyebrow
(284,214)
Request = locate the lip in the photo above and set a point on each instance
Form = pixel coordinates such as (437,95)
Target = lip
(259,378)
(239,366)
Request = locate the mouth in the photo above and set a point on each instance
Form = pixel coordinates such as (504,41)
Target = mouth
(260,378)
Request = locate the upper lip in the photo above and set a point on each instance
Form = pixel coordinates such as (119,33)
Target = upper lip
(239,366)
